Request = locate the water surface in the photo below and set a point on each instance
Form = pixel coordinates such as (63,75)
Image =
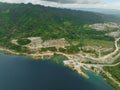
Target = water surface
(21,73)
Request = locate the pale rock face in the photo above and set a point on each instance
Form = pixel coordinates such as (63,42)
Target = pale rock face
(105,26)
(59,43)
(37,43)
(114,34)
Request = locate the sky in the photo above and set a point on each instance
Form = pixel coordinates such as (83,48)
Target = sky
(74,4)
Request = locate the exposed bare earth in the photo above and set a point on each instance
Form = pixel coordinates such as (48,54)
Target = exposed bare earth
(104,26)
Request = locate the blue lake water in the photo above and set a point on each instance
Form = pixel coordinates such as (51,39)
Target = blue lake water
(22,73)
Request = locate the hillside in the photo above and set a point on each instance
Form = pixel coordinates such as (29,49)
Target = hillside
(27,20)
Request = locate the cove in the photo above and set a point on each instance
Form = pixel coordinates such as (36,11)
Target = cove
(22,73)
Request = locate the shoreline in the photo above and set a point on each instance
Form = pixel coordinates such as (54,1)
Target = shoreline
(75,69)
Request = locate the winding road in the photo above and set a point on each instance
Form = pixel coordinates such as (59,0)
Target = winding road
(112,57)
(105,58)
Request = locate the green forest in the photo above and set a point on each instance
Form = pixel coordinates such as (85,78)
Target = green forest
(26,20)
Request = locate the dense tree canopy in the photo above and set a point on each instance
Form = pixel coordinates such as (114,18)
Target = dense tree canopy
(27,20)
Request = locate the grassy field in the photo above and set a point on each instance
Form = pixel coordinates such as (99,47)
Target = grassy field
(99,43)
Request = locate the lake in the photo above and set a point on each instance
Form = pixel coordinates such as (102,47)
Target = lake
(22,73)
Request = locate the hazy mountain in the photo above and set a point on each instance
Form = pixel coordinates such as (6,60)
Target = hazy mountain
(104,11)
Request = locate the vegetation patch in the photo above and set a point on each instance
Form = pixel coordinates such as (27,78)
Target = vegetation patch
(72,49)
(48,49)
(17,48)
(23,41)
(100,43)
(59,58)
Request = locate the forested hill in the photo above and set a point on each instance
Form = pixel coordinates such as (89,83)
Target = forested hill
(14,13)
(24,20)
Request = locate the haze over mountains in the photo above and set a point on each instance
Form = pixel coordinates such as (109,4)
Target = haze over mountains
(104,11)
